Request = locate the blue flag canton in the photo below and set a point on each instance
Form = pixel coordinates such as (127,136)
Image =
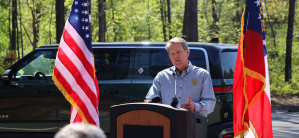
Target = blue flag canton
(79,18)
(254,19)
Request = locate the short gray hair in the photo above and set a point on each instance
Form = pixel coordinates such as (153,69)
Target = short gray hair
(175,41)
(79,130)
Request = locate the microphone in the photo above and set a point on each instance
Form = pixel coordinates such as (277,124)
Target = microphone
(155,99)
(174,100)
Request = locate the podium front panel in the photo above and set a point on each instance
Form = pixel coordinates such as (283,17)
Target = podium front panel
(148,118)
(135,131)
(149,122)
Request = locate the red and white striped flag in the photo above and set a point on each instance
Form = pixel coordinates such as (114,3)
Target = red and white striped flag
(74,71)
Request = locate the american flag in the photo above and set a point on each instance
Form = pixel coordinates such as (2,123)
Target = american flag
(74,72)
(251,88)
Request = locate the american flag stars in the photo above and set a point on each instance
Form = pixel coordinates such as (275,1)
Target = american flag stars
(264,42)
(84,4)
(257,2)
(85,28)
(85,12)
(80,17)
(260,17)
(85,20)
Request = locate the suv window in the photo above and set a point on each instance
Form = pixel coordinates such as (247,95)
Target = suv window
(228,59)
(159,60)
(41,61)
(111,64)
(197,58)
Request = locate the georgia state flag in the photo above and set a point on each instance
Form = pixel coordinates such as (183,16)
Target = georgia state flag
(251,88)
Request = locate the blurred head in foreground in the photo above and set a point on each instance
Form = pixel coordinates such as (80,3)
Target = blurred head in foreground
(79,130)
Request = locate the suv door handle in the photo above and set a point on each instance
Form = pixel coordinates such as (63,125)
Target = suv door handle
(114,91)
(19,85)
(43,91)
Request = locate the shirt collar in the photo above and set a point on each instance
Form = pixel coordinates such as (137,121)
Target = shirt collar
(190,67)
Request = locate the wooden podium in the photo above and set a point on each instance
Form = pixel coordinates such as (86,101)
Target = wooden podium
(152,120)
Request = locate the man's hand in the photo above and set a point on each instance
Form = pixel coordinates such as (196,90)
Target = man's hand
(189,106)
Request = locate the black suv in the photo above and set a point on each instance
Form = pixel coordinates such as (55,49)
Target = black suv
(30,102)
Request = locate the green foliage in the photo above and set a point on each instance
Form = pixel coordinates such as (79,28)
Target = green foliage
(139,21)
(276,19)
(279,86)
(3,64)
(4,4)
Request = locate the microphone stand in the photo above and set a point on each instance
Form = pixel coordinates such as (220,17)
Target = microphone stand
(174,100)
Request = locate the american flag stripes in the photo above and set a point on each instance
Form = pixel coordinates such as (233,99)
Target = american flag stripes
(251,88)
(74,72)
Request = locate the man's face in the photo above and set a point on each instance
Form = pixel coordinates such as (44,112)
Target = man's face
(178,56)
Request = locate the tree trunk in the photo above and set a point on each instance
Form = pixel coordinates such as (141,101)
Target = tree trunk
(169,19)
(215,18)
(35,12)
(18,46)
(165,17)
(20,18)
(35,23)
(148,22)
(27,34)
(162,18)
(272,30)
(238,13)
(18,49)
(33,28)
(190,27)
(59,19)
(114,30)
(9,28)
(288,64)
(14,25)
(50,34)
(38,13)
(102,22)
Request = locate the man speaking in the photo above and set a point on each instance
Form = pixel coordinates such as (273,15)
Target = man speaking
(183,85)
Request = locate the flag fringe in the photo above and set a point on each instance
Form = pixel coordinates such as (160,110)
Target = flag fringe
(244,132)
(96,83)
(260,77)
(69,99)
(244,75)
(253,129)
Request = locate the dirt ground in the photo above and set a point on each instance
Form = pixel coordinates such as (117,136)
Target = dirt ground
(284,100)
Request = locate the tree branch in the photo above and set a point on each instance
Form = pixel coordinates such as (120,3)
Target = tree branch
(28,36)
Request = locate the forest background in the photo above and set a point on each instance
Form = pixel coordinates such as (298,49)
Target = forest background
(37,21)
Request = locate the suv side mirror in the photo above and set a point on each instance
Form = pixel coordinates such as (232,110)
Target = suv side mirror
(214,40)
(5,77)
